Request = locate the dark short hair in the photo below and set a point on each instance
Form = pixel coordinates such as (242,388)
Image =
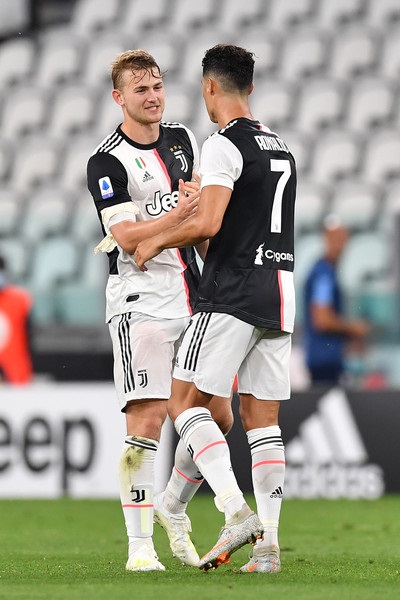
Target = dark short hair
(3,264)
(232,65)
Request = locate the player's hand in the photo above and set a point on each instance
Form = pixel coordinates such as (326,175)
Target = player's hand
(189,194)
(193,186)
(145,250)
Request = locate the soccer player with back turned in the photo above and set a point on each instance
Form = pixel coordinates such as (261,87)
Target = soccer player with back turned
(246,307)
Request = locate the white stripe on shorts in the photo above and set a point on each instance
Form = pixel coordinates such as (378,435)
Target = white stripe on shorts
(192,354)
(126,352)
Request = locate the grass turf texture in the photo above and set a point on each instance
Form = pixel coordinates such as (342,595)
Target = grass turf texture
(76,549)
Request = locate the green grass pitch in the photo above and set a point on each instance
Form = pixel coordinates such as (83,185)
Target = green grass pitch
(76,549)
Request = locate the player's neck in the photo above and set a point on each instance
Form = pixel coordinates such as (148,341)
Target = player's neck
(233,109)
(141,133)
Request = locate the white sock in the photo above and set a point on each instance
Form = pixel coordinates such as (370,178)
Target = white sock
(268,474)
(207,444)
(136,477)
(184,482)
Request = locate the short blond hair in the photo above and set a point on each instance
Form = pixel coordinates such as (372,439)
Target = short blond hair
(133,60)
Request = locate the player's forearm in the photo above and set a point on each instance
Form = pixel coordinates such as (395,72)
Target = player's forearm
(184,234)
(128,234)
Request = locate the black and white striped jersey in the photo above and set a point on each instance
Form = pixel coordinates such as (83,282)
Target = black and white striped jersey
(131,181)
(248,271)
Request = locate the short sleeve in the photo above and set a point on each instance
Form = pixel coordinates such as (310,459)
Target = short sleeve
(107,180)
(323,290)
(221,163)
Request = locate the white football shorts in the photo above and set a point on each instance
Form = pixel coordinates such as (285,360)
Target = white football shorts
(216,346)
(144,348)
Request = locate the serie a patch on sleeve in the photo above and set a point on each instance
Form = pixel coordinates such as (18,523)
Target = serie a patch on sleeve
(106,188)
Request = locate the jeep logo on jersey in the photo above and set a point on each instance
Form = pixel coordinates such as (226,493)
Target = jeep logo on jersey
(271,255)
(178,153)
(162,203)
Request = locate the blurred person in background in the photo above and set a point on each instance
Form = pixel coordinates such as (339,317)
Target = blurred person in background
(326,329)
(15,309)
(133,177)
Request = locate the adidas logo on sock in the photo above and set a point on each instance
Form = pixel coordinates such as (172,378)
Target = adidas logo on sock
(278,493)
(147,177)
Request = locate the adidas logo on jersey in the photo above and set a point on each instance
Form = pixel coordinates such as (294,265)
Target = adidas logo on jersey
(147,177)
(278,493)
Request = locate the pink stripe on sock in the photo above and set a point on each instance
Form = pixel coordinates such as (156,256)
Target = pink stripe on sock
(188,478)
(138,506)
(207,448)
(269,462)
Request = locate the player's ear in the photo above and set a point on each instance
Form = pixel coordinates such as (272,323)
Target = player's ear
(211,86)
(251,88)
(118,98)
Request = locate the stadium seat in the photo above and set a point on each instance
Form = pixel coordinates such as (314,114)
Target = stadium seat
(354,52)
(335,15)
(311,206)
(193,52)
(6,159)
(389,66)
(389,218)
(78,303)
(10,211)
(55,259)
(76,155)
(321,104)
(357,203)
(205,13)
(392,199)
(273,103)
(179,103)
(18,257)
(365,256)
(299,144)
(136,16)
(236,15)
(85,225)
(284,15)
(17,60)
(108,114)
(381,160)
(15,17)
(91,16)
(82,301)
(102,50)
(371,104)
(167,55)
(336,154)
(383,12)
(73,111)
(36,161)
(47,212)
(267,47)
(60,54)
(24,111)
(304,54)
(201,125)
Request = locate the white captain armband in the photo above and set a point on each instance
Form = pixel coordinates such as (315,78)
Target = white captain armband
(125,209)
